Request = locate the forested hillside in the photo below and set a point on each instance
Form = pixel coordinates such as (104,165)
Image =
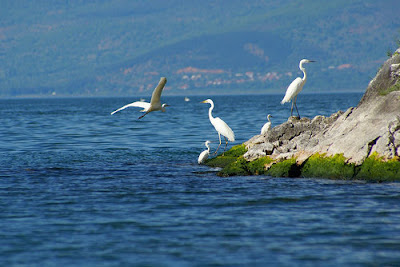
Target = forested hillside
(122,47)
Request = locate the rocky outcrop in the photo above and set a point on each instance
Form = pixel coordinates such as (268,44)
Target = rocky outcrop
(373,126)
(290,138)
(351,144)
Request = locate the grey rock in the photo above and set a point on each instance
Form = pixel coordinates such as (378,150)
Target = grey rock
(260,150)
(372,126)
(383,79)
(395,70)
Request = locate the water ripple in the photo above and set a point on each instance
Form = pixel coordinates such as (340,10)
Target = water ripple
(81,187)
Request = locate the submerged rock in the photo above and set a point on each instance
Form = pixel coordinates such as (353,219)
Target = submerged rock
(346,141)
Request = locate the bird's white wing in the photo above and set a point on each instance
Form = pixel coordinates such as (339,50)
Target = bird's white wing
(223,129)
(266,128)
(155,97)
(293,89)
(138,104)
(203,156)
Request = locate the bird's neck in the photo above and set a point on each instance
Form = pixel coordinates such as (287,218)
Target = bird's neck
(304,72)
(210,112)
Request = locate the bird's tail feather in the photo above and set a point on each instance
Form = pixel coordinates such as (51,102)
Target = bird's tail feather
(284,100)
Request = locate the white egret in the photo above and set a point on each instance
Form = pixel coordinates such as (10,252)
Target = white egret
(295,87)
(220,126)
(267,127)
(154,104)
(204,155)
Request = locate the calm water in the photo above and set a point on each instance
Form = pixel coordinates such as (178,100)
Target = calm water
(81,187)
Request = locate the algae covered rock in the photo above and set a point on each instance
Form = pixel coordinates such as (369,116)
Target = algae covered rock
(377,168)
(374,168)
(229,157)
(334,167)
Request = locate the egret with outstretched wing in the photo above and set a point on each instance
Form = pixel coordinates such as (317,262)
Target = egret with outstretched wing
(155,103)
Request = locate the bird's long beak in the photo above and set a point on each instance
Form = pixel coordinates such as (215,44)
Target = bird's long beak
(203,101)
(312,61)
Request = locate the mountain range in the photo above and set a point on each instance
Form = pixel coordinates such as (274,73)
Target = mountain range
(122,47)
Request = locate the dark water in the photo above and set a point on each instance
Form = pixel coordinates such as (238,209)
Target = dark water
(81,187)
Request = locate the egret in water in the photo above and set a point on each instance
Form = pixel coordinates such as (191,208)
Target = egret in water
(204,155)
(295,87)
(220,126)
(267,127)
(154,104)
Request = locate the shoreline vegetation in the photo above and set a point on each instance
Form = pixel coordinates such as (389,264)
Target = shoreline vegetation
(362,143)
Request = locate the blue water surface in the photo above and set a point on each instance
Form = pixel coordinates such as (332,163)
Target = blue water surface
(81,187)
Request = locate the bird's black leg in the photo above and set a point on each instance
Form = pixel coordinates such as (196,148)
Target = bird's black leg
(295,100)
(142,115)
(219,135)
(226,144)
(291,110)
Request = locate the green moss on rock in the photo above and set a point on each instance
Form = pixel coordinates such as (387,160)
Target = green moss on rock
(395,87)
(238,167)
(243,167)
(335,167)
(220,161)
(257,167)
(375,168)
(286,168)
(229,157)
(236,151)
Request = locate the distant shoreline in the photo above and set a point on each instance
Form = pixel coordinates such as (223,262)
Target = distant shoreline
(173,95)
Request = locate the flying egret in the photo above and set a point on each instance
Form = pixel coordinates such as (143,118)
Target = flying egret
(266,126)
(154,104)
(220,126)
(295,87)
(204,155)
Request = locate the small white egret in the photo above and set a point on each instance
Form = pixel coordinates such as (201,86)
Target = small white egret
(220,126)
(155,103)
(204,155)
(295,87)
(267,127)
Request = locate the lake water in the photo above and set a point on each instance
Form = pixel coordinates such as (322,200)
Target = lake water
(81,187)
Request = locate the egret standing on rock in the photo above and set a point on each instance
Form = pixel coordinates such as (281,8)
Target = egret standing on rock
(220,126)
(295,87)
(204,155)
(155,103)
(266,126)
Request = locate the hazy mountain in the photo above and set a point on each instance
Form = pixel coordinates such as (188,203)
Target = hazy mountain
(122,47)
